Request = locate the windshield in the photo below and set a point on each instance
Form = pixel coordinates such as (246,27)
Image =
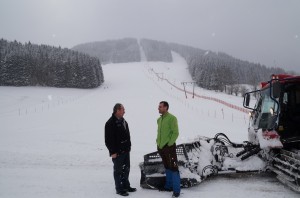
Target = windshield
(268,104)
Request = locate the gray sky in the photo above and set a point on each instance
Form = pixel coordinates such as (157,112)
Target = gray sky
(264,31)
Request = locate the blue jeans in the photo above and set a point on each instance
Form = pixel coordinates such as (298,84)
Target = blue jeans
(121,171)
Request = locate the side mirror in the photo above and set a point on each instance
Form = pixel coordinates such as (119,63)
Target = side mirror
(246,102)
(276,89)
(247,99)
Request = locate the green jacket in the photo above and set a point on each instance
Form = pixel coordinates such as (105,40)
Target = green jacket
(167,131)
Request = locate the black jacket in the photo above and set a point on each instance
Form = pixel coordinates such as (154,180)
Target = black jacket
(117,135)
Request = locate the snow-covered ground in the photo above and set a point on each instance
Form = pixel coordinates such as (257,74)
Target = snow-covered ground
(52,140)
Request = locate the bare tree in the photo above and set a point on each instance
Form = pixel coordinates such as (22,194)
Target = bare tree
(243,90)
(236,89)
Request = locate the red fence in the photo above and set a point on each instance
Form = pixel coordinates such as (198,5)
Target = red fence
(207,97)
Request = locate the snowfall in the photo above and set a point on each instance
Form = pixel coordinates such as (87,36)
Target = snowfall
(52,139)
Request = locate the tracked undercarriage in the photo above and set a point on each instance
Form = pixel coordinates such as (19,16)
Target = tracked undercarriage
(286,164)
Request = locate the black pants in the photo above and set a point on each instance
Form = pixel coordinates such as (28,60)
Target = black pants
(121,171)
(169,157)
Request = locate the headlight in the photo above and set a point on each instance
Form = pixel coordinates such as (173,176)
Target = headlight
(272,111)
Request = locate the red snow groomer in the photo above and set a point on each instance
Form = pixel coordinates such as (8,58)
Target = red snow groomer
(273,142)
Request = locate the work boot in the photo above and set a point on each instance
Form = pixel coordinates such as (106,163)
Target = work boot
(123,193)
(130,189)
(175,195)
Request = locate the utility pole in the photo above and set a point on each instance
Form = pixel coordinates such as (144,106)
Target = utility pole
(186,83)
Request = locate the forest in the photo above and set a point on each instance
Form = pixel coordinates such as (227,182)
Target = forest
(41,65)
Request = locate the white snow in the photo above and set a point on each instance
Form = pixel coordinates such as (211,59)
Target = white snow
(253,163)
(52,140)
(185,173)
(205,157)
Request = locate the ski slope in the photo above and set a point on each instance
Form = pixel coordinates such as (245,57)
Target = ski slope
(52,140)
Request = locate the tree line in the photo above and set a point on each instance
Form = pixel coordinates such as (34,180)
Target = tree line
(220,71)
(42,65)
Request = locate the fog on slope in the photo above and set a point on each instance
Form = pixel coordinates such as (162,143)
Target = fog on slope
(264,32)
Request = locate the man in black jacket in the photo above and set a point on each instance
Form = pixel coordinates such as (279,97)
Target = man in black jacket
(117,141)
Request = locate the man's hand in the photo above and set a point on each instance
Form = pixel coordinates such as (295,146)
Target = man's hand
(114,155)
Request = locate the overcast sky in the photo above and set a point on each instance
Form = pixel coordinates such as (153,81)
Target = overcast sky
(264,31)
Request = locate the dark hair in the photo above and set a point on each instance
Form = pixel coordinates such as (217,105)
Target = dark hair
(165,103)
(117,107)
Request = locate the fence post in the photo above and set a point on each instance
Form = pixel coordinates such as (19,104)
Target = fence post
(223,113)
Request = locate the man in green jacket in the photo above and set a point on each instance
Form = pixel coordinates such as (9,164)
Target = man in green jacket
(167,133)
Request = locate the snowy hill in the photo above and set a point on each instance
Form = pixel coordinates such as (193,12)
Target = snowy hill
(52,140)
